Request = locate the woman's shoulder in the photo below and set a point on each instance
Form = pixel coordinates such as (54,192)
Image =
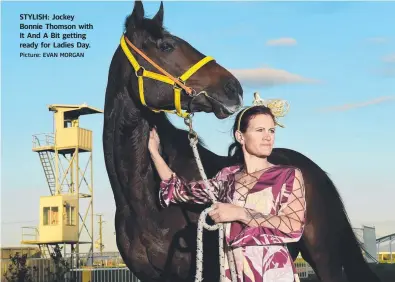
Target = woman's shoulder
(289,171)
(285,167)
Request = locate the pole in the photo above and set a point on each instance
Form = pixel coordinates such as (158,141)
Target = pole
(101,246)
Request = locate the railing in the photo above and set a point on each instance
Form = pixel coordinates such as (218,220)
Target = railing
(117,272)
(104,275)
(43,139)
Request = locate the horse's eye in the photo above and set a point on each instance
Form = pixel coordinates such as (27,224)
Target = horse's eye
(166,46)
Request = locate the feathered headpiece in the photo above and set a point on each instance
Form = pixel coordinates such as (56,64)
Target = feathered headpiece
(278,107)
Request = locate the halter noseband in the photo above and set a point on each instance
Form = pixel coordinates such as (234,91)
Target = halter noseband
(178,83)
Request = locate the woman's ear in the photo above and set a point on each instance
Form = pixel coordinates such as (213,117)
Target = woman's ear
(239,137)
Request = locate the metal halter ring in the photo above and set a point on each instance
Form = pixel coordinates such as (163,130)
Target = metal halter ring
(193,94)
(141,68)
(192,135)
(188,121)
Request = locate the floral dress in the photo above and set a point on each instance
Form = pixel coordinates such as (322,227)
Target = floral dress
(275,202)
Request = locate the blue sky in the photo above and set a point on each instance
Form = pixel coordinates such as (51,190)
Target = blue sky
(333,62)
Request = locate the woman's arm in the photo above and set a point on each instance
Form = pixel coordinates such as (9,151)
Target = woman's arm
(161,166)
(175,190)
(285,227)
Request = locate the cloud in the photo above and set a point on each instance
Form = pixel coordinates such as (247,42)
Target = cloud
(286,41)
(386,71)
(389,58)
(378,40)
(347,107)
(261,77)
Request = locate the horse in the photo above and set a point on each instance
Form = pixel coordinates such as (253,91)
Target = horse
(159,244)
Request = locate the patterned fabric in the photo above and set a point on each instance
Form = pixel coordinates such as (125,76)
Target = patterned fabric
(275,203)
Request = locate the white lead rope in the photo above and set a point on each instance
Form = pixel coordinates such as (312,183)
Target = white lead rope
(202,224)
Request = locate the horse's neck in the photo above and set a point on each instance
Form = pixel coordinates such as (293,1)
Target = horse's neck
(131,154)
(135,158)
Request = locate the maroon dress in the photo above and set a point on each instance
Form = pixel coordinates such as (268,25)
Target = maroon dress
(276,205)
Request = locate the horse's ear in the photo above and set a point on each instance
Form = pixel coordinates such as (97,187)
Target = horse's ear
(138,13)
(158,18)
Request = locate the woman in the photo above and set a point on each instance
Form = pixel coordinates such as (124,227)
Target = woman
(262,204)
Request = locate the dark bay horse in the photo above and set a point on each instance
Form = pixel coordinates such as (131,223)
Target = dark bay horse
(160,244)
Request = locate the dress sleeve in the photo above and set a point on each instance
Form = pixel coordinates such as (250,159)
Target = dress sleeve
(285,226)
(176,190)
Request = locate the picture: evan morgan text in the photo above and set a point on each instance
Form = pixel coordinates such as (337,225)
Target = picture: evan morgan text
(52,55)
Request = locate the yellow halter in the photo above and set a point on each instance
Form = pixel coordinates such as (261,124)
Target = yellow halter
(178,83)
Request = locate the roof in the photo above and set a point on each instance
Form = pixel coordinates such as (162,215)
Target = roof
(74,111)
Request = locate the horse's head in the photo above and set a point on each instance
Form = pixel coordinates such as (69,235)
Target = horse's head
(206,86)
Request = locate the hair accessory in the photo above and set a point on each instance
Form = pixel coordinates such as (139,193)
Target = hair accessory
(278,107)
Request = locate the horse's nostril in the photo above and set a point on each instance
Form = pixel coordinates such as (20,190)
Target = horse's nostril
(231,87)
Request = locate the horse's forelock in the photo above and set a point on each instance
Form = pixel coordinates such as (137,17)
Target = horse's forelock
(153,28)
(149,25)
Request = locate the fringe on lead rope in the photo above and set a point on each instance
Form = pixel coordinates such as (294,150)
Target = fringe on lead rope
(202,224)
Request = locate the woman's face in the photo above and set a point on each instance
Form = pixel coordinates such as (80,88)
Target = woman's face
(259,137)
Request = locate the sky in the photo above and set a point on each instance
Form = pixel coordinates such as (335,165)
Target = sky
(334,62)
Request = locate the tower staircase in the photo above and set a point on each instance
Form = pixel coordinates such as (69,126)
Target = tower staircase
(47,161)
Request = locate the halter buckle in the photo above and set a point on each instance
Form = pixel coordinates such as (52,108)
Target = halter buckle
(175,85)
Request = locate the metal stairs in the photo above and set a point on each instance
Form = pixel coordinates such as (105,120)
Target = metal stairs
(45,252)
(48,170)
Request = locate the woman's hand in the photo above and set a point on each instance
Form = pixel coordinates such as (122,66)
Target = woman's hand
(154,141)
(223,212)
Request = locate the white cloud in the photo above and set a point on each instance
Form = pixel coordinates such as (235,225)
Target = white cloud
(261,77)
(378,39)
(286,41)
(347,107)
(389,58)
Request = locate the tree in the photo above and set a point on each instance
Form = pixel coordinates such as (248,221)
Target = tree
(18,271)
(61,267)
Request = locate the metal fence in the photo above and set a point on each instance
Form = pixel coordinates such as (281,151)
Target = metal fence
(103,275)
(42,269)
(304,269)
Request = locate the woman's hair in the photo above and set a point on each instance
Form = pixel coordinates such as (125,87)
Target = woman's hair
(241,123)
